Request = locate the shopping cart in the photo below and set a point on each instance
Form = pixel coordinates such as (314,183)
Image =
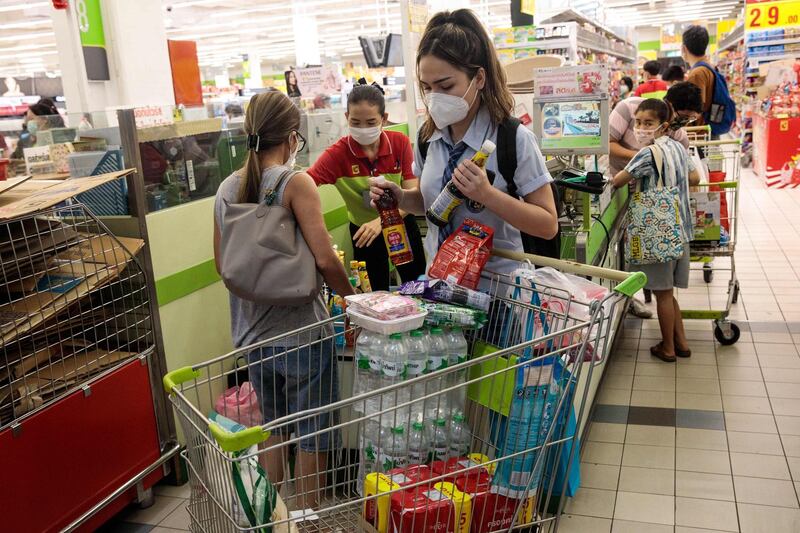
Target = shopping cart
(715,209)
(523,392)
(698,133)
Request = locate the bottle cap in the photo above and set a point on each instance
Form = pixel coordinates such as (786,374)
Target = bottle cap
(436,331)
(419,426)
(416,333)
(488,146)
(397,430)
(441,422)
(458,417)
(396,336)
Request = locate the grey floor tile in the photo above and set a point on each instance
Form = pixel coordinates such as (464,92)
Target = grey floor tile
(757,465)
(774,492)
(703,485)
(688,418)
(765,519)
(638,507)
(614,414)
(703,439)
(571,523)
(750,423)
(598,476)
(647,480)
(649,456)
(651,416)
(695,512)
(761,443)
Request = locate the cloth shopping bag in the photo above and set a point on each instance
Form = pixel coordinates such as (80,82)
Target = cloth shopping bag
(654,221)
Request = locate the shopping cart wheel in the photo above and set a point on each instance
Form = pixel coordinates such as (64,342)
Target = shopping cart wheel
(727,333)
(735,297)
(708,274)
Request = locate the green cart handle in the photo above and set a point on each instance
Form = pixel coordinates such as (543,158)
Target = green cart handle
(628,283)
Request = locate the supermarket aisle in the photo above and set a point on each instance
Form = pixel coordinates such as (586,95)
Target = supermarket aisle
(712,442)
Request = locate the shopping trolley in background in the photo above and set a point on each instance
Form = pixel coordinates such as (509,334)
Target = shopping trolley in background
(698,133)
(522,391)
(714,206)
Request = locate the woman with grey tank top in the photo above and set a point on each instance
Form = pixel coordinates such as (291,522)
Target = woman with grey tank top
(287,378)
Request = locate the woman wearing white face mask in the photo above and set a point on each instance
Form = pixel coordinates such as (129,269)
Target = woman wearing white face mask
(304,378)
(369,151)
(467,101)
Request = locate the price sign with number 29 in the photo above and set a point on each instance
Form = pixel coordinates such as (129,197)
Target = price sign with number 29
(769,15)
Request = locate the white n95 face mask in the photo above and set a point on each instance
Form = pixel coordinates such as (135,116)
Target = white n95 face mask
(365,136)
(447,109)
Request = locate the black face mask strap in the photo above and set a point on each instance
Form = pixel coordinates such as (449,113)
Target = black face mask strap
(253,142)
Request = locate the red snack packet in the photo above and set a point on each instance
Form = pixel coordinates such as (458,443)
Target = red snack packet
(463,255)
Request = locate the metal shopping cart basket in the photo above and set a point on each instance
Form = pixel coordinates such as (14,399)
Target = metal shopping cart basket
(714,206)
(513,408)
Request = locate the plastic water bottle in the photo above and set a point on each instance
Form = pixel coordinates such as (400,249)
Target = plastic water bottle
(457,350)
(437,361)
(417,364)
(393,453)
(419,447)
(439,441)
(460,437)
(393,371)
(375,353)
(362,381)
(370,433)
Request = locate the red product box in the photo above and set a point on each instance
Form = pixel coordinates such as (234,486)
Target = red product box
(422,510)
(490,511)
(455,467)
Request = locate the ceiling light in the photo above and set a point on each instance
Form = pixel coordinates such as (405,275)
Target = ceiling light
(27,35)
(23,6)
(27,24)
(27,47)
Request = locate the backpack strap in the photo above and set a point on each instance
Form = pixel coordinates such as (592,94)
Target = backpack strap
(507,152)
(423,148)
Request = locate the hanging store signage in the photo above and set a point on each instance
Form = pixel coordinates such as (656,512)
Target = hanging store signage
(768,15)
(584,81)
(93,39)
(318,80)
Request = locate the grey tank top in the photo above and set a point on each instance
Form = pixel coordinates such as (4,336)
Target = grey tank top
(253,322)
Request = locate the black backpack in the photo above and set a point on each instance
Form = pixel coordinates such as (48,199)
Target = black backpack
(507,164)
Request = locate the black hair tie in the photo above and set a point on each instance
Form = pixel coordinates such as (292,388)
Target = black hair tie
(363,81)
(253,142)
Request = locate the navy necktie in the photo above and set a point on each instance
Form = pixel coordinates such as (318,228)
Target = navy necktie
(452,162)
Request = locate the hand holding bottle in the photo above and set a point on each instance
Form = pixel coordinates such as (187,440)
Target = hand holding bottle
(472,181)
(379,185)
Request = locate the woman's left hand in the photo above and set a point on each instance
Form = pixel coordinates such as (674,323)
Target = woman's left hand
(472,181)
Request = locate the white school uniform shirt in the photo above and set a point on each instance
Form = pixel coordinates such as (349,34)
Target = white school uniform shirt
(531,175)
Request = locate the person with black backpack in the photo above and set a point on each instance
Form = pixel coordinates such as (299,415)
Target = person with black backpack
(468,102)
(719,109)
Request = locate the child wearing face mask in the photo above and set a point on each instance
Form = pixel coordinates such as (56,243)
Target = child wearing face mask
(370,151)
(651,127)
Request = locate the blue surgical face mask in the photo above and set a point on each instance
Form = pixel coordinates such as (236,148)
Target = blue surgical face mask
(33,127)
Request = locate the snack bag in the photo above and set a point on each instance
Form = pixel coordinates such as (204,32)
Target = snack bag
(462,256)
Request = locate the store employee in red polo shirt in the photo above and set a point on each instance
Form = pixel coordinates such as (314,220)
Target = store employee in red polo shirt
(348,164)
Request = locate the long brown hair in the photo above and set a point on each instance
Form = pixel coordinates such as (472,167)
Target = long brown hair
(273,117)
(459,38)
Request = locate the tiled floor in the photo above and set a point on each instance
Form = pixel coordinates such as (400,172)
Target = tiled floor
(167,515)
(711,443)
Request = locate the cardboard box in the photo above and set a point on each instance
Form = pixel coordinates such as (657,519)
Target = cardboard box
(705,210)
(13,205)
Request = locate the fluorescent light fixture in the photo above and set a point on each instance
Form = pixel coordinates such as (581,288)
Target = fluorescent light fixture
(23,6)
(27,47)
(27,36)
(27,24)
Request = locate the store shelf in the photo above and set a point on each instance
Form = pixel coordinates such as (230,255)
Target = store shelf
(762,59)
(570,15)
(180,129)
(733,38)
(793,40)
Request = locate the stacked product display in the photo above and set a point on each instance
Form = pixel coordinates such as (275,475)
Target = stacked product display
(776,127)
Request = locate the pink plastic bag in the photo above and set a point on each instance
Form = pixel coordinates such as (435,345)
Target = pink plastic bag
(240,404)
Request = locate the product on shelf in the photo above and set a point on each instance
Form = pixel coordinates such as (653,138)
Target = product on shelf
(366,286)
(463,254)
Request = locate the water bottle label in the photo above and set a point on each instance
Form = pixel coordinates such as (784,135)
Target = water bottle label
(393,369)
(440,453)
(392,461)
(436,363)
(415,368)
(375,363)
(417,457)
